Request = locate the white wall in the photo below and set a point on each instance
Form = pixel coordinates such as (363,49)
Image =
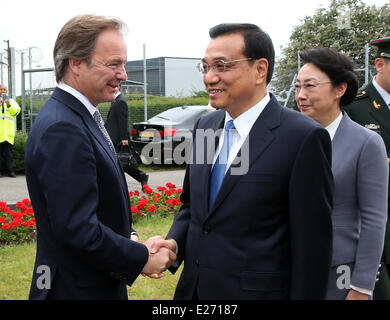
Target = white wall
(182,77)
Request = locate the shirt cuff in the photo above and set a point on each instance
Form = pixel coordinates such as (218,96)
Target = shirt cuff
(362,290)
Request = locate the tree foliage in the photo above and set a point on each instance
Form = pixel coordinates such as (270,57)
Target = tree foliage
(346,25)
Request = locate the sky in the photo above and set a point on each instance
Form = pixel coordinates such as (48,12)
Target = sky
(172,28)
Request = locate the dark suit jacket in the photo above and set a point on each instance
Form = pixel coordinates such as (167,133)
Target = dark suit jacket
(371,111)
(117,122)
(268,234)
(81,204)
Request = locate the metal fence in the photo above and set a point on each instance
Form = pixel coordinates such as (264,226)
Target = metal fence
(37,87)
(3,70)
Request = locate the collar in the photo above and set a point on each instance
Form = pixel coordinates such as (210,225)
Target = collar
(117,94)
(244,122)
(384,94)
(83,99)
(332,128)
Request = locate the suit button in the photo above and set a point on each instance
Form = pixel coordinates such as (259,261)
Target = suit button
(206,230)
(197,262)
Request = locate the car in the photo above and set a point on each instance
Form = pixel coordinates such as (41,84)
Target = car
(167,137)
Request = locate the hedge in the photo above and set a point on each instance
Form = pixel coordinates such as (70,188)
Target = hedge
(156,104)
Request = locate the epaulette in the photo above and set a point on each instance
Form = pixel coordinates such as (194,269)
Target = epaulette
(361,95)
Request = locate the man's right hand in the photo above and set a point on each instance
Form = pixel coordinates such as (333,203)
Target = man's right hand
(161,256)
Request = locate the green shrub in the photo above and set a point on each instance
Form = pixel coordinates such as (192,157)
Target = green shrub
(18,150)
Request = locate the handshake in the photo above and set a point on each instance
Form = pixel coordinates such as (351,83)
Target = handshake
(162,254)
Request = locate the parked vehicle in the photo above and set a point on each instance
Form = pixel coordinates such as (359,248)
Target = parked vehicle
(167,137)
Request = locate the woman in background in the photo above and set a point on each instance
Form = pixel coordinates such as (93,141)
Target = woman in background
(325,84)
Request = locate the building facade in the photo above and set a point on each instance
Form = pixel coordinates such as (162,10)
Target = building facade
(167,76)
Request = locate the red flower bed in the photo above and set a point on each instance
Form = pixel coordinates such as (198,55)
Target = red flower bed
(163,201)
(17,225)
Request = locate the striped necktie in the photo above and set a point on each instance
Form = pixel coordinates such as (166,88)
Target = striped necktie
(99,121)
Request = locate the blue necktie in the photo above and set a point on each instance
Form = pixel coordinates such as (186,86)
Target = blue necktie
(219,168)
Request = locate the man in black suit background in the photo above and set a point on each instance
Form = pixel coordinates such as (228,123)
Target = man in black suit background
(117,125)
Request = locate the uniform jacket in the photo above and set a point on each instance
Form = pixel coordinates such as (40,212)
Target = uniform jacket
(7,124)
(268,234)
(117,123)
(360,170)
(81,204)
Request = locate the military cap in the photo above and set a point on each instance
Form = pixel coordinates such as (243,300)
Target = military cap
(383,45)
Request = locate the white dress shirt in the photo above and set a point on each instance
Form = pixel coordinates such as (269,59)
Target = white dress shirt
(83,99)
(332,128)
(384,94)
(243,124)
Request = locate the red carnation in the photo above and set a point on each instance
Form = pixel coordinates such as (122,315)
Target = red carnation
(148,190)
(134,209)
(170,185)
(152,208)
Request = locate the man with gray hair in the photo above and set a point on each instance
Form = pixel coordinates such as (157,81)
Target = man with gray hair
(76,184)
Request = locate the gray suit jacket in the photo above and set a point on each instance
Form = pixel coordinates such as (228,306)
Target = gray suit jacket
(360,169)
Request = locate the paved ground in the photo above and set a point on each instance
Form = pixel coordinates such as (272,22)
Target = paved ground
(15,189)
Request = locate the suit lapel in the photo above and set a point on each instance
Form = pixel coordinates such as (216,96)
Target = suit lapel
(76,105)
(259,138)
(339,140)
(378,108)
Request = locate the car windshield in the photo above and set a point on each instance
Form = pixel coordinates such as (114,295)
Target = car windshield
(175,114)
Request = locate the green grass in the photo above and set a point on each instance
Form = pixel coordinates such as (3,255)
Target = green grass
(161,167)
(16,271)
(16,266)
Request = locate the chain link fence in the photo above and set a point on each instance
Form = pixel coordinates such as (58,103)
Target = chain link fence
(37,87)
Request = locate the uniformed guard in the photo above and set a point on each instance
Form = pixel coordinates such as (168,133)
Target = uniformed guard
(372,110)
(9,109)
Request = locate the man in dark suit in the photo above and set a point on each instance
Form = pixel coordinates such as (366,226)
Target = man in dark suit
(266,232)
(75,181)
(372,110)
(117,125)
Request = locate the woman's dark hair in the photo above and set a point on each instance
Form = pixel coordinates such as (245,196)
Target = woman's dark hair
(337,66)
(258,44)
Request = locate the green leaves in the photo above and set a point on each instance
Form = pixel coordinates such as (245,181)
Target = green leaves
(346,25)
